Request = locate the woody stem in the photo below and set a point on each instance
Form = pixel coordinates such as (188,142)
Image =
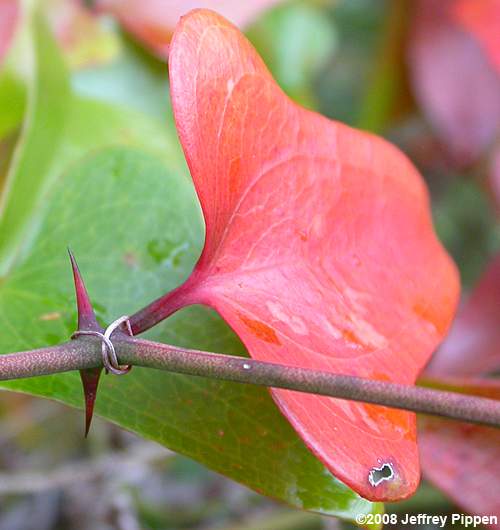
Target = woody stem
(85,352)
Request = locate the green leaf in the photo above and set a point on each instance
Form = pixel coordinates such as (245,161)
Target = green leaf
(136,229)
(58,128)
(12,96)
(116,190)
(48,94)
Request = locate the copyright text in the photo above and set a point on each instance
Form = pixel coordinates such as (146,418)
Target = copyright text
(438,521)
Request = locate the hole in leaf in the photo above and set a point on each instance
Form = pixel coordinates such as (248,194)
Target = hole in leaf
(380,474)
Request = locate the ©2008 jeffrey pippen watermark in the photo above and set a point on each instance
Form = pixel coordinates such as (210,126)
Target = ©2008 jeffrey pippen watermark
(420,519)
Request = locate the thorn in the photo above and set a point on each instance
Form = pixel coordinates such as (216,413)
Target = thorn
(90,380)
(86,315)
(86,322)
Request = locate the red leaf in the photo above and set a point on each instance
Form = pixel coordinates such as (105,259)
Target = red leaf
(472,347)
(464,460)
(454,82)
(482,19)
(153,21)
(9,15)
(319,249)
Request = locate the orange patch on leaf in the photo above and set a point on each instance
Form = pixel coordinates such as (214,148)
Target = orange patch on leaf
(260,330)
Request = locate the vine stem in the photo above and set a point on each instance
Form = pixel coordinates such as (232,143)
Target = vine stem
(85,353)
